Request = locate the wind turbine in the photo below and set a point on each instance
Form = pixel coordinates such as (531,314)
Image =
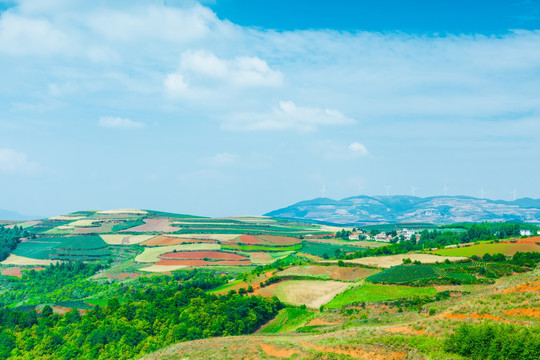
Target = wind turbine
(323,191)
(388,187)
(446,190)
(413,189)
(514,193)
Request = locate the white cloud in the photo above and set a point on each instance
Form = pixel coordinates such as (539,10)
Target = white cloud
(358,149)
(120,123)
(222,160)
(20,35)
(205,70)
(287,116)
(12,161)
(175,84)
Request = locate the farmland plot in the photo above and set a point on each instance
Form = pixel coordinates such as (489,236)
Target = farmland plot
(151,255)
(393,260)
(312,293)
(126,239)
(153,225)
(328,272)
(507,249)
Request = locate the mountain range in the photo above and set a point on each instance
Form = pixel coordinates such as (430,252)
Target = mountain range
(367,210)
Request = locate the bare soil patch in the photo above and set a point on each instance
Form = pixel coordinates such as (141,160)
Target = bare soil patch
(356,351)
(534,286)
(526,312)
(272,350)
(17,271)
(332,272)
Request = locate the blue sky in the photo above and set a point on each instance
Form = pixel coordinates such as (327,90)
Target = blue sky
(240,107)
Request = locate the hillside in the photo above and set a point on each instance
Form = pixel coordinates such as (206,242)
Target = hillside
(386,329)
(126,283)
(407,209)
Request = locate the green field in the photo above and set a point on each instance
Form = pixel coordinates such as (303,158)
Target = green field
(320,249)
(403,274)
(288,320)
(481,249)
(64,248)
(374,293)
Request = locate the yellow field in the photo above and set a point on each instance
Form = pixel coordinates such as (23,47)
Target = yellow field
(66,218)
(132,239)
(312,293)
(163,268)
(21,260)
(393,260)
(151,254)
(83,223)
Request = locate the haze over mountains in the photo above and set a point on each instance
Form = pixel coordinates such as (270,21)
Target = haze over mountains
(12,215)
(404,209)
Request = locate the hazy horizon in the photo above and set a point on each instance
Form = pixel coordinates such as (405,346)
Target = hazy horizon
(231,107)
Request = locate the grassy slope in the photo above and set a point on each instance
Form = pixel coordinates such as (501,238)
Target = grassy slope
(374,293)
(378,332)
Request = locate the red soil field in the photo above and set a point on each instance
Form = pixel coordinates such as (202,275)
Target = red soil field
(280,240)
(215,255)
(163,240)
(203,263)
(249,240)
(529,240)
(16,271)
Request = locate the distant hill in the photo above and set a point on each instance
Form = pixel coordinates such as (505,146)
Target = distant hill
(12,215)
(405,209)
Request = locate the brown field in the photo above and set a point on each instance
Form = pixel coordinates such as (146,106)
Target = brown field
(261,258)
(393,260)
(163,240)
(214,255)
(154,225)
(332,272)
(105,227)
(203,263)
(17,271)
